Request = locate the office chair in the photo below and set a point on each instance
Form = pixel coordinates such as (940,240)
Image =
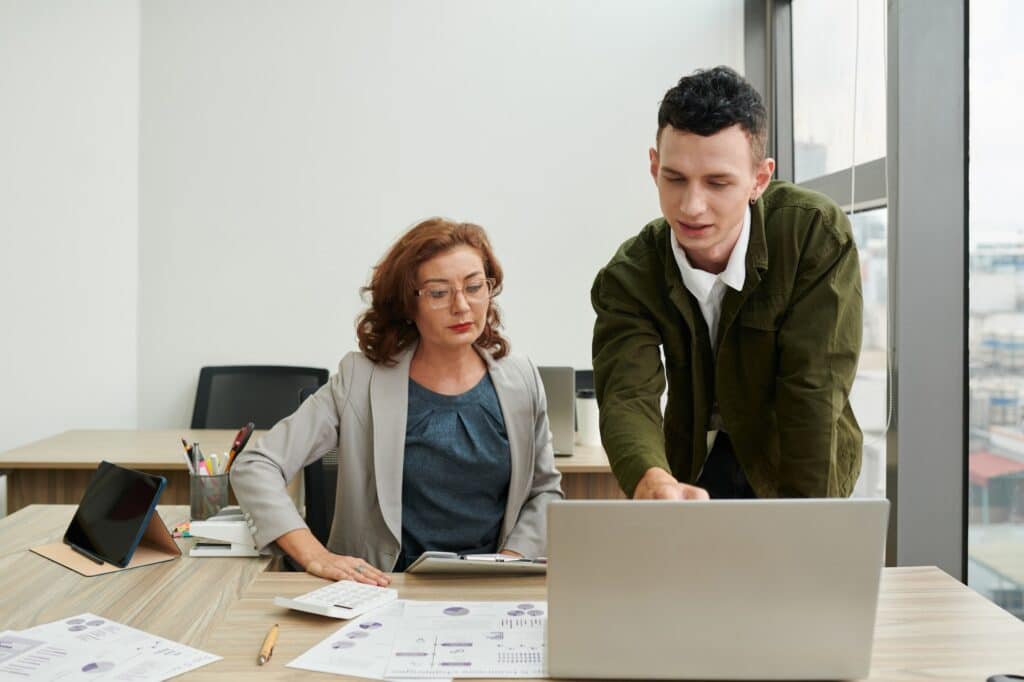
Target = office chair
(320,483)
(229,397)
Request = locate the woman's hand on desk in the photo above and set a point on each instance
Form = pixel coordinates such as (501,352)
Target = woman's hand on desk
(340,567)
(302,545)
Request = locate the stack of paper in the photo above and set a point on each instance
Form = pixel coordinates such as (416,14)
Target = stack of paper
(91,647)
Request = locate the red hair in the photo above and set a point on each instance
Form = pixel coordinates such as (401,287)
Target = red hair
(383,329)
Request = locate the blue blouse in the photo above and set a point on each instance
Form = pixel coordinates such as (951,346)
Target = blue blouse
(456,472)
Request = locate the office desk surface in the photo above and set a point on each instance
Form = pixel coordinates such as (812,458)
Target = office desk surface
(585,459)
(929,626)
(242,630)
(147,450)
(182,599)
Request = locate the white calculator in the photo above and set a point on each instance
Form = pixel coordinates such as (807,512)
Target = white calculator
(343,599)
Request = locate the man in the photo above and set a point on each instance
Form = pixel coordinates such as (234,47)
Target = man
(751,289)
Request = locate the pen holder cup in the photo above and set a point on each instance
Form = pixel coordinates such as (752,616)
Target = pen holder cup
(207,495)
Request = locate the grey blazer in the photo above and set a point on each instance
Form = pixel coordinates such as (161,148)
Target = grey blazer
(361,411)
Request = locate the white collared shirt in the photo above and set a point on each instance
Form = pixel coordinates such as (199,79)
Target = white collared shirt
(709,289)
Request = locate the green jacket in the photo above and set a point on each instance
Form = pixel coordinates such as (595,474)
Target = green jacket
(787,353)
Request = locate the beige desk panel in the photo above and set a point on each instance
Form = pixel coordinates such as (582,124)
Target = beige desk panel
(84,448)
(57,470)
(586,475)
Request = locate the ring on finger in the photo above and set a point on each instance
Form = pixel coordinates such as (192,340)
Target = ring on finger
(359,569)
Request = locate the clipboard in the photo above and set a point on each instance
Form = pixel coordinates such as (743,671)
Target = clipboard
(479,564)
(116,525)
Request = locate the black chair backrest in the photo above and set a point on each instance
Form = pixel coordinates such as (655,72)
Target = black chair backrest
(229,397)
(320,481)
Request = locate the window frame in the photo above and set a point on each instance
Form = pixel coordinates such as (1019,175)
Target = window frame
(926,444)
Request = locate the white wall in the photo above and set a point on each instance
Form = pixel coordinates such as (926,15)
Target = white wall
(283,146)
(68,216)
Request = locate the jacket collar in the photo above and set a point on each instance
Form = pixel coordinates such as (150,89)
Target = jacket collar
(756,264)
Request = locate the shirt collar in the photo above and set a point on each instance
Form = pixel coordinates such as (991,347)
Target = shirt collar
(700,282)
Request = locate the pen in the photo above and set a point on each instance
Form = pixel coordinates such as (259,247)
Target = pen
(212,463)
(198,454)
(268,645)
(188,457)
(241,438)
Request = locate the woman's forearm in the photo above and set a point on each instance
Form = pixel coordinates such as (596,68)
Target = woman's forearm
(301,545)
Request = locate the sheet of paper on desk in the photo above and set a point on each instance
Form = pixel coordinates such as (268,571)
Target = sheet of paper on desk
(430,640)
(93,647)
(469,639)
(361,648)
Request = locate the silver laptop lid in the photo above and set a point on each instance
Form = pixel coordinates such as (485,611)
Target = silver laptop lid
(560,389)
(752,589)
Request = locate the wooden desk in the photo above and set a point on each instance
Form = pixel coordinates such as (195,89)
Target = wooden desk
(586,475)
(183,599)
(929,626)
(242,630)
(56,470)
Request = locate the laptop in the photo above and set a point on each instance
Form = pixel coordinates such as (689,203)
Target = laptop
(723,589)
(560,389)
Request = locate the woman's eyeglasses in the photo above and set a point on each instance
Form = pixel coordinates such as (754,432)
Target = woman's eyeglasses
(441,295)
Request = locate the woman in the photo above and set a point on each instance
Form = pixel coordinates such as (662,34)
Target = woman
(442,436)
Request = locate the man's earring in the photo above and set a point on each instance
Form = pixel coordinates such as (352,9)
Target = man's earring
(753,200)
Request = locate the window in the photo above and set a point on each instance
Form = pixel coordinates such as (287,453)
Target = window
(838,49)
(838,137)
(995,452)
(870,389)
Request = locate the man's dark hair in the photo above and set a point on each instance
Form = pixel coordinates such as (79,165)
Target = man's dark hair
(711,100)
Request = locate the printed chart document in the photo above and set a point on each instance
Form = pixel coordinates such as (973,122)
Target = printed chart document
(361,648)
(469,639)
(410,640)
(96,648)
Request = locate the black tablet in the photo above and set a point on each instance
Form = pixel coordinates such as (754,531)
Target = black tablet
(114,513)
